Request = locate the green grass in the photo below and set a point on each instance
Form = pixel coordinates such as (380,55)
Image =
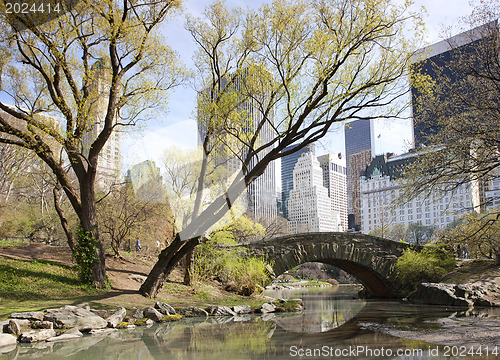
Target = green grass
(37,280)
(9,243)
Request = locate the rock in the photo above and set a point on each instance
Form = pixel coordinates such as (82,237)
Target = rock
(71,334)
(102,331)
(125,325)
(164,308)
(267,308)
(139,278)
(68,317)
(117,317)
(37,335)
(484,303)
(243,309)
(84,306)
(192,311)
(170,318)
(42,325)
(29,315)
(144,322)
(101,313)
(13,328)
(7,340)
(220,311)
(153,314)
(138,314)
(438,294)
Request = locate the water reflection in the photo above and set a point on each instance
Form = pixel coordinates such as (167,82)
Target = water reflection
(256,337)
(325,309)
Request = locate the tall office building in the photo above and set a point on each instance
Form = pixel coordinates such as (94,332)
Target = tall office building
(261,193)
(453,64)
(287,165)
(335,181)
(359,137)
(309,206)
(359,162)
(147,182)
(108,170)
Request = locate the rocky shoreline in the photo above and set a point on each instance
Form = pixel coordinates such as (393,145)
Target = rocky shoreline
(72,322)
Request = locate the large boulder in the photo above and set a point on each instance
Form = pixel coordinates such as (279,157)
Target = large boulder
(192,311)
(220,311)
(267,308)
(7,340)
(28,315)
(13,328)
(164,308)
(138,314)
(117,317)
(71,334)
(243,309)
(153,314)
(439,294)
(68,317)
(36,335)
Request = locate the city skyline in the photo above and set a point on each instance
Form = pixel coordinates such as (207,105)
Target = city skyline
(178,126)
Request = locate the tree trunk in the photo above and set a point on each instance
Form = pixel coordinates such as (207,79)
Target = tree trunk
(89,224)
(64,221)
(189,268)
(167,260)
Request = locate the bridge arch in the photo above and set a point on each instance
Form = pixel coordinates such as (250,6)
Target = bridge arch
(370,259)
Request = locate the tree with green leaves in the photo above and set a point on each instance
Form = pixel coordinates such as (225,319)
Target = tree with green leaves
(293,70)
(64,98)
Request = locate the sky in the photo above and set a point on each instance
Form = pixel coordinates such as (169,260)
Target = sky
(177,127)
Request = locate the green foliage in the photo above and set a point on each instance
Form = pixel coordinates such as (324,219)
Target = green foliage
(428,265)
(481,233)
(85,255)
(229,266)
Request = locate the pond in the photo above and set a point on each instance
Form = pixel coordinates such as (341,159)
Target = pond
(332,326)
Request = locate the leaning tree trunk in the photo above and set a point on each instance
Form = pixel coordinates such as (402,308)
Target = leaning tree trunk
(167,260)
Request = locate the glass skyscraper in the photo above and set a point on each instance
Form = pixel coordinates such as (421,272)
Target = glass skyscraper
(358,137)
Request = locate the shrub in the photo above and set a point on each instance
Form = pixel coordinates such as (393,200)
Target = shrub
(428,265)
(229,266)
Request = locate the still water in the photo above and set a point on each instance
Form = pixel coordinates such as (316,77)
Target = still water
(330,327)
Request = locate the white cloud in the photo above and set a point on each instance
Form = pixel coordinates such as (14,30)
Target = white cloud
(151,143)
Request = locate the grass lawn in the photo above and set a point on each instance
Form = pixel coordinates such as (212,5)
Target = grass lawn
(40,285)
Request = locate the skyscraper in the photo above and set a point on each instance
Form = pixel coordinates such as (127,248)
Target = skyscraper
(287,165)
(309,206)
(261,193)
(108,170)
(454,64)
(335,181)
(358,137)
(358,164)
(147,182)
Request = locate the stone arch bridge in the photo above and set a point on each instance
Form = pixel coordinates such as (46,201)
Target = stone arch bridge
(370,259)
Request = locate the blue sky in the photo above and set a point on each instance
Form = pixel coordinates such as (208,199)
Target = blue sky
(178,126)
